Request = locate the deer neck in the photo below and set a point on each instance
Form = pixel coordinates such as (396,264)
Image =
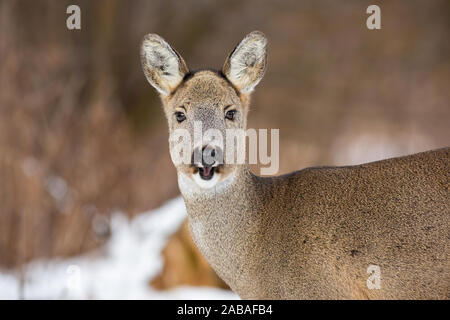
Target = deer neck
(224,222)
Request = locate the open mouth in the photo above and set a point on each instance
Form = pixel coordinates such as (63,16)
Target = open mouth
(207,172)
(209,162)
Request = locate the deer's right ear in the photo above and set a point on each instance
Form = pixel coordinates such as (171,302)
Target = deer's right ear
(163,67)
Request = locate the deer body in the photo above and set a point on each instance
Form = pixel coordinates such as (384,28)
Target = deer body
(313,233)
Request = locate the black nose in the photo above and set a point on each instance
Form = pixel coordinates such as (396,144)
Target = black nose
(207,156)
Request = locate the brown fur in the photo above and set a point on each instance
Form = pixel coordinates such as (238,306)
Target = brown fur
(313,233)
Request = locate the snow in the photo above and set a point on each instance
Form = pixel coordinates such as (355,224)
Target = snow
(122,269)
(358,148)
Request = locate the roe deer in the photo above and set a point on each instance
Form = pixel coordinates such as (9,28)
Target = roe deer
(310,234)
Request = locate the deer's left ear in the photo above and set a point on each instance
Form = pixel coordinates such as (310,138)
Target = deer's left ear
(246,64)
(162,65)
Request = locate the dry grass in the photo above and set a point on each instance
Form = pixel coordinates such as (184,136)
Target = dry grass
(69,156)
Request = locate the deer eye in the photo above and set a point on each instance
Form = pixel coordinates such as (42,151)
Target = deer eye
(230,114)
(180,116)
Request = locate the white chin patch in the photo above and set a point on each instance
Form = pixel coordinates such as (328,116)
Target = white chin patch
(206,184)
(193,186)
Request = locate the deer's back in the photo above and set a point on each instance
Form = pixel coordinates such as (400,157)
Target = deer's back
(324,227)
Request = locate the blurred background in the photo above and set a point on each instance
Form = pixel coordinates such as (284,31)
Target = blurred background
(84,160)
